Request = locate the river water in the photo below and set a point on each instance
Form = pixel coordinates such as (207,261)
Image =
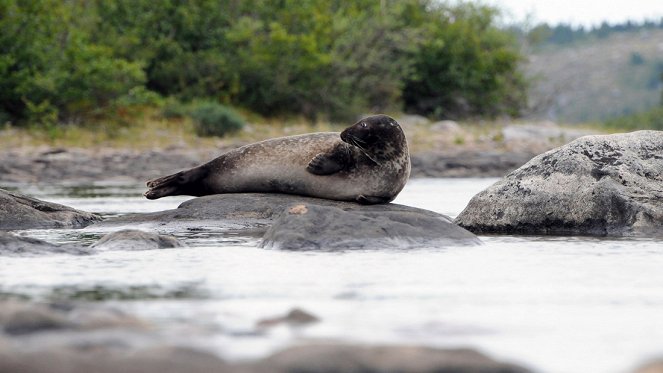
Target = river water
(554,304)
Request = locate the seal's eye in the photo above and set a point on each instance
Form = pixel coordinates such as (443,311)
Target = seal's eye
(363,125)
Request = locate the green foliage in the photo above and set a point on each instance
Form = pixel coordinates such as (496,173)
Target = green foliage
(50,69)
(214,119)
(650,119)
(467,67)
(70,61)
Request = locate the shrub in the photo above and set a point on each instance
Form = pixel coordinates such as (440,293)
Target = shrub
(213,119)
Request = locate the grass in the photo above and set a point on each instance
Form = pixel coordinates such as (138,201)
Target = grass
(151,130)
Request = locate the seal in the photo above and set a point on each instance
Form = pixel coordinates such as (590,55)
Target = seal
(368,163)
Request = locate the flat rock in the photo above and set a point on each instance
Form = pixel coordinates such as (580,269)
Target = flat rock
(596,185)
(13,245)
(326,224)
(22,317)
(133,240)
(18,211)
(308,226)
(366,359)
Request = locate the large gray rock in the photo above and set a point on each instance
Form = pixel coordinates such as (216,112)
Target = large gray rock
(366,359)
(12,245)
(308,226)
(133,240)
(596,185)
(77,337)
(327,224)
(18,211)
(22,317)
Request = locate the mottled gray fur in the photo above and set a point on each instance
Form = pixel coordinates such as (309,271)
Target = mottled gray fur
(368,162)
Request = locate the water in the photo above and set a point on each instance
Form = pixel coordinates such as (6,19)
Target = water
(555,304)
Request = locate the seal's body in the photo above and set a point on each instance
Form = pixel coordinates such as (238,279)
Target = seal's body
(369,163)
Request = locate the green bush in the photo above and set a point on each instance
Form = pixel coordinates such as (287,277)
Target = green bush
(213,119)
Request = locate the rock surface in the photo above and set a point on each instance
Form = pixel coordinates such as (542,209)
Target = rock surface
(18,211)
(350,358)
(326,224)
(651,367)
(596,185)
(12,245)
(75,337)
(308,226)
(132,240)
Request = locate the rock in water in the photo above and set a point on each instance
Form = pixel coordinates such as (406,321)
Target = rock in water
(12,245)
(134,240)
(596,185)
(18,211)
(310,226)
(348,358)
(325,224)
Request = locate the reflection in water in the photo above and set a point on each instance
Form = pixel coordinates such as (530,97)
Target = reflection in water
(561,304)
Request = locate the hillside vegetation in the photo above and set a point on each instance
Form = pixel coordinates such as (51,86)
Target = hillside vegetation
(86,62)
(592,78)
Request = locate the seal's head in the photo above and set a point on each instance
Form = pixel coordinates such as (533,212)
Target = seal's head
(379,136)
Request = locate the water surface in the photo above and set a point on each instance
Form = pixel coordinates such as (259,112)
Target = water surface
(556,304)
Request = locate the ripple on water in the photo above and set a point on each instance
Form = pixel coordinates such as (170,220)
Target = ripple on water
(571,304)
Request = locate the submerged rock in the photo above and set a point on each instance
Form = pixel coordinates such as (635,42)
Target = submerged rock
(596,185)
(309,226)
(133,240)
(13,245)
(296,317)
(18,211)
(22,317)
(366,359)
(326,224)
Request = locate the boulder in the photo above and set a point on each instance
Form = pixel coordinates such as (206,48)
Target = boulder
(655,366)
(596,185)
(13,245)
(295,317)
(18,211)
(133,240)
(307,226)
(350,358)
(19,317)
(326,224)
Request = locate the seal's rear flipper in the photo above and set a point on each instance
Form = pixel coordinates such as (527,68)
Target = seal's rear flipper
(184,182)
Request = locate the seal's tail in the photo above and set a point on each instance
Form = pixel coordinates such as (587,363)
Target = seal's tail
(187,182)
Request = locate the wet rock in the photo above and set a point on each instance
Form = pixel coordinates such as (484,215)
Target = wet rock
(105,360)
(18,317)
(651,367)
(18,211)
(366,359)
(133,240)
(296,317)
(253,213)
(13,245)
(307,226)
(25,317)
(596,185)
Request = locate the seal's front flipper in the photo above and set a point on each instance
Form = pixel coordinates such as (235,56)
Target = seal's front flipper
(323,164)
(372,200)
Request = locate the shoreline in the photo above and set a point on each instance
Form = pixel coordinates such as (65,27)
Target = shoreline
(58,165)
